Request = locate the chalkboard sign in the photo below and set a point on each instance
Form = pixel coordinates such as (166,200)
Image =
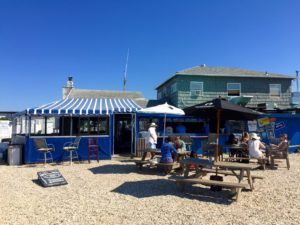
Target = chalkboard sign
(51,178)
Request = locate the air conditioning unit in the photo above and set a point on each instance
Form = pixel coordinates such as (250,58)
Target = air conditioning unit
(196,93)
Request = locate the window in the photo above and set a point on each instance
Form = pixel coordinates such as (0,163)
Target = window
(173,88)
(164,92)
(84,126)
(159,95)
(94,125)
(233,89)
(52,125)
(37,126)
(196,88)
(275,90)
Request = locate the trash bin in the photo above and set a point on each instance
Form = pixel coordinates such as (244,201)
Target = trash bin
(14,154)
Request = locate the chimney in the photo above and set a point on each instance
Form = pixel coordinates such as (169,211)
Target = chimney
(70,82)
(68,88)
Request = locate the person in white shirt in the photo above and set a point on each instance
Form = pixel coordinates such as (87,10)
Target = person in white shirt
(255,147)
(152,136)
(151,141)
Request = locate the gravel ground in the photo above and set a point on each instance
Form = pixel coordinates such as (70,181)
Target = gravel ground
(115,192)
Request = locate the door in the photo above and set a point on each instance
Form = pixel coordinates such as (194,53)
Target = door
(123,134)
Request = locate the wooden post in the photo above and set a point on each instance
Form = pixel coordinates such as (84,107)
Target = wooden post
(218,133)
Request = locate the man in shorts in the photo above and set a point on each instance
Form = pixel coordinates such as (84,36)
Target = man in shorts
(151,140)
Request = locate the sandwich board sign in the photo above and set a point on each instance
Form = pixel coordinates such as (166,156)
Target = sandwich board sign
(51,178)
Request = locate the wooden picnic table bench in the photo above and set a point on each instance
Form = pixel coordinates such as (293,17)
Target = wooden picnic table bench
(229,173)
(234,187)
(262,161)
(166,167)
(141,163)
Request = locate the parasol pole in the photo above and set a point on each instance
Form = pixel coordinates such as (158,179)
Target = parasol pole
(218,130)
(164,127)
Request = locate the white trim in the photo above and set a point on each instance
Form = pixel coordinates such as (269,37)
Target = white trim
(196,91)
(74,103)
(81,100)
(87,110)
(80,111)
(105,101)
(95,105)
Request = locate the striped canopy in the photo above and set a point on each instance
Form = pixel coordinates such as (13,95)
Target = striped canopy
(86,106)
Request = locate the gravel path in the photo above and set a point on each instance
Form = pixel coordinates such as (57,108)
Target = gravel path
(115,192)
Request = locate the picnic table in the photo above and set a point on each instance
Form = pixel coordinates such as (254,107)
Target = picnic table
(234,169)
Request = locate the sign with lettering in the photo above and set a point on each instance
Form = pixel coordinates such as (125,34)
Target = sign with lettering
(51,178)
(279,125)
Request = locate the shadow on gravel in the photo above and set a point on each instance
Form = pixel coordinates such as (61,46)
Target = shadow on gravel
(125,169)
(163,187)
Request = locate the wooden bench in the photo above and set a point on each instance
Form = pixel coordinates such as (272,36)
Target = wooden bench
(168,167)
(234,187)
(261,162)
(229,173)
(141,163)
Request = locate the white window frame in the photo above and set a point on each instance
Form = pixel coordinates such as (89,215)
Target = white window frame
(272,95)
(196,88)
(233,89)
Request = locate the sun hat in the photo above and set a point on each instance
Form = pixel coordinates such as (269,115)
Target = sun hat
(153,125)
(254,136)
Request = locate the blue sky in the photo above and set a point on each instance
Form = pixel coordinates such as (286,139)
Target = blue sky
(44,42)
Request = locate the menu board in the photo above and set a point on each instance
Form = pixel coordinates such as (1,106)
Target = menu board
(51,178)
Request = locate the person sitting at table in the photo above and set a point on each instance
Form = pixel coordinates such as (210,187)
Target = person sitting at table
(168,151)
(283,144)
(245,137)
(180,144)
(243,153)
(232,140)
(255,147)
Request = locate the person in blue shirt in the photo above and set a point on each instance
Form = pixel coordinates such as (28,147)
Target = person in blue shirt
(168,151)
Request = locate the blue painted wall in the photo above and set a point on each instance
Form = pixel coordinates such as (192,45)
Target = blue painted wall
(31,155)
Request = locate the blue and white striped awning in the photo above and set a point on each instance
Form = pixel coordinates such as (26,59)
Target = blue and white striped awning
(86,106)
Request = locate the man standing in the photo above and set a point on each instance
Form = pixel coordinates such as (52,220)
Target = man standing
(152,136)
(151,141)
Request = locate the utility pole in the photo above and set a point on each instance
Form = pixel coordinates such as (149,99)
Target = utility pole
(125,72)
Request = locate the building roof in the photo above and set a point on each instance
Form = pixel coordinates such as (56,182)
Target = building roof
(82,93)
(226,72)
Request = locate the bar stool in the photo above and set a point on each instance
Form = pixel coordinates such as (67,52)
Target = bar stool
(93,149)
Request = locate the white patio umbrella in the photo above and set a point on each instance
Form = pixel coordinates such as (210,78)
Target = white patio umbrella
(163,109)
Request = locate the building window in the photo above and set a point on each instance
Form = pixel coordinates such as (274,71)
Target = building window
(233,89)
(275,90)
(196,88)
(52,125)
(159,95)
(38,126)
(164,92)
(173,88)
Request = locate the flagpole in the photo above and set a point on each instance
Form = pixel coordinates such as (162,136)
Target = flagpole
(125,72)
